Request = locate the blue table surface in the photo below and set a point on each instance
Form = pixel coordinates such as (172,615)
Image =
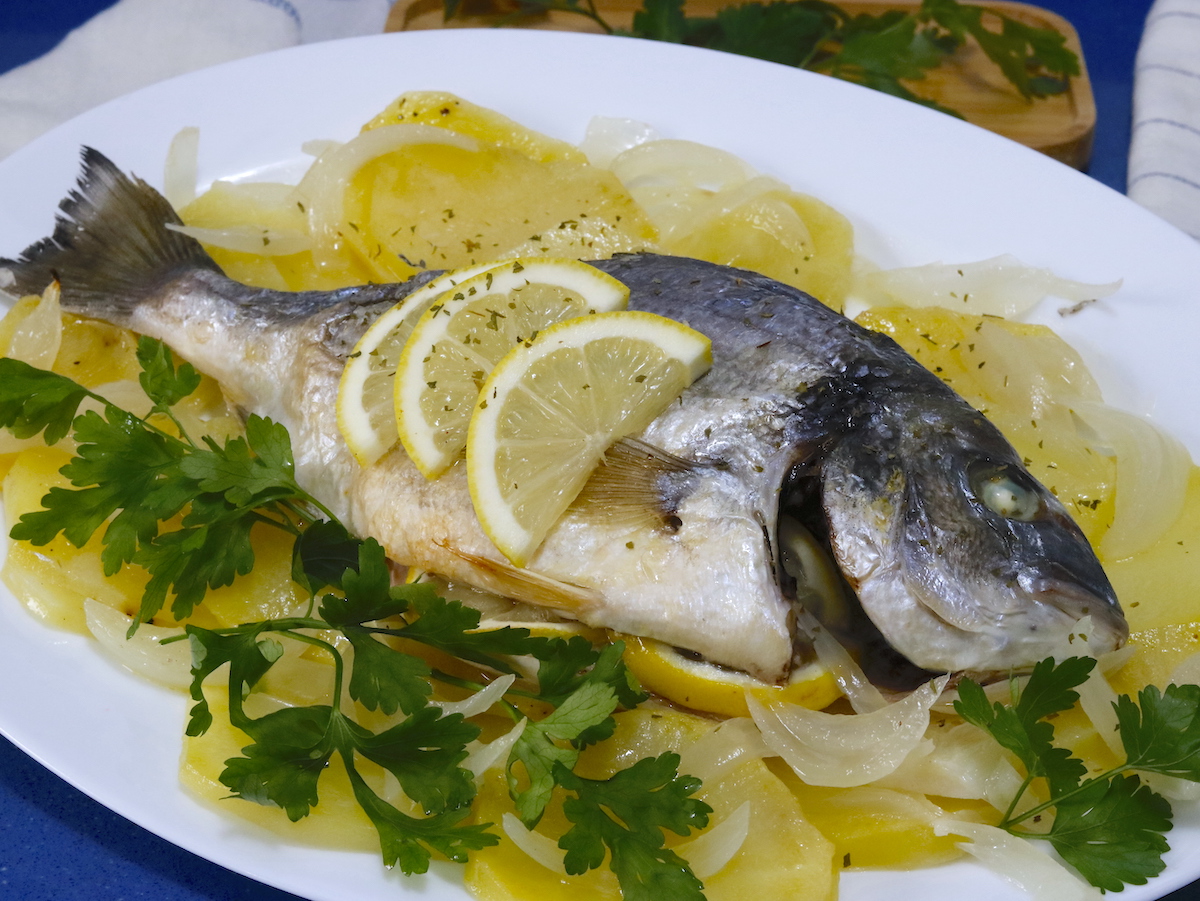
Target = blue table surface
(57,844)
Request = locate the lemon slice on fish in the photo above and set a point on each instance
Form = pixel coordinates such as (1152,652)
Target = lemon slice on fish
(552,408)
(710,688)
(460,338)
(366,412)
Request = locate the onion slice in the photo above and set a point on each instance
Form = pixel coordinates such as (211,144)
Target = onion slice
(264,242)
(480,701)
(144,652)
(853,682)
(961,762)
(608,137)
(711,850)
(843,750)
(731,743)
(672,162)
(1152,475)
(36,334)
(1018,860)
(999,286)
(181,170)
(540,848)
(485,756)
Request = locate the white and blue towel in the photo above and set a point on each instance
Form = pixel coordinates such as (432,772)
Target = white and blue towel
(1164,156)
(139,42)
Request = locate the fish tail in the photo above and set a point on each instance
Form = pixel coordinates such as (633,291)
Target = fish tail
(111,245)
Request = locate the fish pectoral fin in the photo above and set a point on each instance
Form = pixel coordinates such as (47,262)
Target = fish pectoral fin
(525,585)
(637,483)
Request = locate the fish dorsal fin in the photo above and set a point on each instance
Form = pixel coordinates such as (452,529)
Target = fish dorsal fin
(110,242)
(525,584)
(637,483)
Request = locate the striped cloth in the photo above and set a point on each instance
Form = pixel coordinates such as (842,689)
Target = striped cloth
(1164,155)
(135,43)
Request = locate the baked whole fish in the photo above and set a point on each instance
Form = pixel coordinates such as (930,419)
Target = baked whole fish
(807,424)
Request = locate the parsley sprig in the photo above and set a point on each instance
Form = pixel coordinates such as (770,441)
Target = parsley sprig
(1110,826)
(886,52)
(184,509)
(131,476)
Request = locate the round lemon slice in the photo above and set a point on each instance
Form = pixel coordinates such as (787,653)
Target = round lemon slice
(366,412)
(460,338)
(710,688)
(551,409)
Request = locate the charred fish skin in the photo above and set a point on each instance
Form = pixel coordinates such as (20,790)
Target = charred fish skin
(961,560)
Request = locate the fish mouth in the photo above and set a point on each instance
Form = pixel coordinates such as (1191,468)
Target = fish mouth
(809,578)
(1082,598)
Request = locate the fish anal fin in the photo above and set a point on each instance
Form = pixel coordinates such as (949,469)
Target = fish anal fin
(525,585)
(637,484)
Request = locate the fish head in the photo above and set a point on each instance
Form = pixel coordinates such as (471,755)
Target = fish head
(960,557)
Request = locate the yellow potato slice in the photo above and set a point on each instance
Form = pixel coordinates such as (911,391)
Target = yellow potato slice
(793,238)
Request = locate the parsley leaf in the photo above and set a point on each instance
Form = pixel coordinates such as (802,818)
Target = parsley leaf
(385,680)
(322,554)
(540,752)
(780,32)
(627,814)
(190,560)
(291,750)
(126,475)
(423,753)
(163,383)
(369,595)
(246,472)
(34,400)
(567,665)
(661,20)
(1161,733)
(1035,60)
(249,659)
(1112,832)
(1021,729)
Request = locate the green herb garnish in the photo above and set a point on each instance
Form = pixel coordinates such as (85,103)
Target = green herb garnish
(184,510)
(879,51)
(132,475)
(1109,826)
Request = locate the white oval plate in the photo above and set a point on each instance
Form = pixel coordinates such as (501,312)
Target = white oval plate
(919,186)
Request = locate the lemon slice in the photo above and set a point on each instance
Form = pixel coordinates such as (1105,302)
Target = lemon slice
(709,688)
(458,340)
(366,412)
(551,409)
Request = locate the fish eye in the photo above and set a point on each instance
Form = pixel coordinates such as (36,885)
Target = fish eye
(1007,495)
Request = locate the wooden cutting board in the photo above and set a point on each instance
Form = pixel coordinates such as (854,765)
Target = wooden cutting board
(1061,127)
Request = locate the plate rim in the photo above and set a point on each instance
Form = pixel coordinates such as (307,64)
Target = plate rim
(48,151)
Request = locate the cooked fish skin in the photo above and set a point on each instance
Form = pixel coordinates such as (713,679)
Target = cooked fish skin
(960,558)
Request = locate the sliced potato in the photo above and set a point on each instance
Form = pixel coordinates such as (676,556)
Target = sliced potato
(793,238)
